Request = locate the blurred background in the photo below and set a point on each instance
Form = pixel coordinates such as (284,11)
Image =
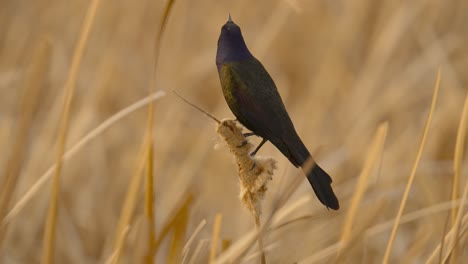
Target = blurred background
(342,68)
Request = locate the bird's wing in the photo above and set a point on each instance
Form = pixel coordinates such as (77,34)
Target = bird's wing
(259,99)
(254,99)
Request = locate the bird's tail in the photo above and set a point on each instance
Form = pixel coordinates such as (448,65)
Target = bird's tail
(321,183)
(293,148)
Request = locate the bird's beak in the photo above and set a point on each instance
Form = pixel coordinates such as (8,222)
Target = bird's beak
(229,18)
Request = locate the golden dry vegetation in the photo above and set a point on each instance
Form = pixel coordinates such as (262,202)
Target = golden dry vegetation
(360,81)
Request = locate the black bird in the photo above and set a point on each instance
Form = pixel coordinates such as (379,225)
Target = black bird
(253,98)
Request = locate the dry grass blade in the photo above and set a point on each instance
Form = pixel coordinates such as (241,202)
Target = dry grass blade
(184,259)
(457,161)
(287,211)
(237,249)
(257,254)
(458,157)
(215,237)
(456,229)
(453,235)
(187,246)
(442,241)
(157,46)
(413,172)
(149,205)
(373,155)
(198,249)
(324,253)
(275,227)
(130,202)
(149,195)
(116,253)
(34,82)
(178,238)
(419,214)
(185,202)
(49,233)
(75,149)
(292,221)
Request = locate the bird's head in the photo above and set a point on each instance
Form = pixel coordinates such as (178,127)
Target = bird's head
(230,31)
(231,44)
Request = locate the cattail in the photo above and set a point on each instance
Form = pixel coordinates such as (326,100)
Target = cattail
(254,172)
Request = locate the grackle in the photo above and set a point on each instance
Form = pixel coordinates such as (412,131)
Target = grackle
(253,98)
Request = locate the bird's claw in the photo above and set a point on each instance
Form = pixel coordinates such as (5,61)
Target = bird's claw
(249,134)
(253,166)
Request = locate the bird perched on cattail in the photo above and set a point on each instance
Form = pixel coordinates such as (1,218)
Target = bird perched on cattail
(253,98)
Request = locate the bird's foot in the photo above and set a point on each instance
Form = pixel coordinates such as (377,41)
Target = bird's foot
(258,148)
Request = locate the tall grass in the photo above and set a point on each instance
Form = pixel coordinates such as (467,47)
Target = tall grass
(132,186)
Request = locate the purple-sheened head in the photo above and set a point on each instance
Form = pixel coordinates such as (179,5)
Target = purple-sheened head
(231,44)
